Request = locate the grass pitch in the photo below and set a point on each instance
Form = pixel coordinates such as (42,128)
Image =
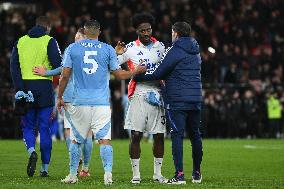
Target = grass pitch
(226,164)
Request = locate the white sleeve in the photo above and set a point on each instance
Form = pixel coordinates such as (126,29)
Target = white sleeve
(123,58)
(162,48)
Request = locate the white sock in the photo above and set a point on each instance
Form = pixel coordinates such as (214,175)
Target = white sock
(158,162)
(86,169)
(135,167)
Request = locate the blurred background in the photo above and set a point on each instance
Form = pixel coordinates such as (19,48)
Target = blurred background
(242,48)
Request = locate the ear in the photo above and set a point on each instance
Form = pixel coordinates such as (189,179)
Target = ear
(175,34)
(98,32)
(48,29)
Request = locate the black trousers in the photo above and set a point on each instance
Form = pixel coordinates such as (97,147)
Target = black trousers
(178,121)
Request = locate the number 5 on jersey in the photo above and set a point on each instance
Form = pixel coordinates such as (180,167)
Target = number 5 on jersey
(88,60)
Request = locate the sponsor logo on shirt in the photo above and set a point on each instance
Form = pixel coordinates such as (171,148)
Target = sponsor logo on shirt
(140,53)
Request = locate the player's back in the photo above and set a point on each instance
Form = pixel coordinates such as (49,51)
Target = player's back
(91,60)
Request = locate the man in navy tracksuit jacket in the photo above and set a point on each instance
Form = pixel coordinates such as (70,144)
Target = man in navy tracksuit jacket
(35,49)
(180,69)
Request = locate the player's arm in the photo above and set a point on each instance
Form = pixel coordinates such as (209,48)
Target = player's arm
(65,75)
(118,72)
(43,71)
(123,74)
(166,65)
(54,53)
(15,70)
(66,72)
(121,52)
(120,48)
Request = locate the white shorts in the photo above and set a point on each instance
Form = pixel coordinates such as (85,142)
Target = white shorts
(66,123)
(84,118)
(144,117)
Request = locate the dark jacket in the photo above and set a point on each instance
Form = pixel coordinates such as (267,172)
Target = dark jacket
(42,89)
(180,68)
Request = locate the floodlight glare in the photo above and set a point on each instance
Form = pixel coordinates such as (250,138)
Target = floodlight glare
(211,49)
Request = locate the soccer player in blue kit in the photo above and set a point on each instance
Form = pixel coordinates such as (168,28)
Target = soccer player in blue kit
(90,62)
(67,97)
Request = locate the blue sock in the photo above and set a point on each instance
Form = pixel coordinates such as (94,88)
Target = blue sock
(68,141)
(31,150)
(44,167)
(75,153)
(106,153)
(87,151)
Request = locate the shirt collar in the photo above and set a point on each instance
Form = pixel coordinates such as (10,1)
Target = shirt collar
(154,40)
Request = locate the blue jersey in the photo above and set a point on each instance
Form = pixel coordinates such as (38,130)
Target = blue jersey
(67,95)
(91,62)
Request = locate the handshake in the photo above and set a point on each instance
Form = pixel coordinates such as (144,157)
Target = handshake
(22,102)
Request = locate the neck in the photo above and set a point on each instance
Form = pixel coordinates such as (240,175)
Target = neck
(146,43)
(175,39)
(95,37)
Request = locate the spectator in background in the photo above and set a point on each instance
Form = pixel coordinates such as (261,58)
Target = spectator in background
(234,115)
(274,112)
(282,121)
(231,75)
(36,48)
(250,113)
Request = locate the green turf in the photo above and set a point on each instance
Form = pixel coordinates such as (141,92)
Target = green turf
(226,164)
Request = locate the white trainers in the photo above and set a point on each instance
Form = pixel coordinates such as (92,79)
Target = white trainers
(70,179)
(135,180)
(196,177)
(197,180)
(160,178)
(108,178)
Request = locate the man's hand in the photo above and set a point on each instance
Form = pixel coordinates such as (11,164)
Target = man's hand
(40,70)
(120,48)
(60,104)
(140,69)
(53,115)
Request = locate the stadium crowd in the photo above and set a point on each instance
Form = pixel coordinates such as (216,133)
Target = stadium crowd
(242,45)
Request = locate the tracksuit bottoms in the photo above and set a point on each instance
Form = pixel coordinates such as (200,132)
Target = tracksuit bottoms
(40,117)
(179,120)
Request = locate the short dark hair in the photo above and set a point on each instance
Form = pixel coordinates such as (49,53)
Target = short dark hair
(142,18)
(92,26)
(182,29)
(43,21)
